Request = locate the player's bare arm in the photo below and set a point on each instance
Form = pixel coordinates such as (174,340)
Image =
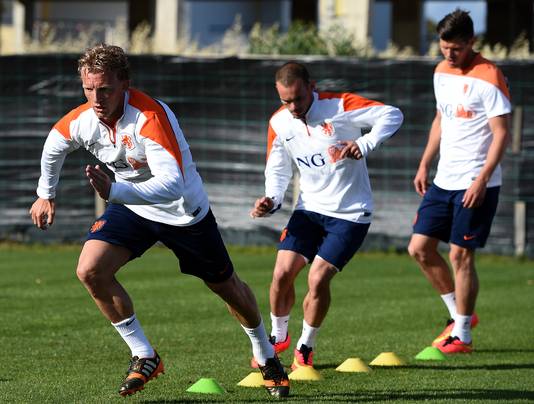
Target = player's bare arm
(99,180)
(474,195)
(43,212)
(262,206)
(420,181)
(350,150)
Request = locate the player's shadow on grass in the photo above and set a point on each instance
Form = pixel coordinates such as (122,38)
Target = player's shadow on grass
(501,366)
(367,396)
(509,350)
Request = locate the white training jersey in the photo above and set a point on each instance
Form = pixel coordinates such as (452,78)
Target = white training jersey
(155,175)
(328,185)
(466,100)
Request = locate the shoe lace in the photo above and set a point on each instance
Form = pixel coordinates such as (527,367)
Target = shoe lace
(137,364)
(273,371)
(305,351)
(132,364)
(450,340)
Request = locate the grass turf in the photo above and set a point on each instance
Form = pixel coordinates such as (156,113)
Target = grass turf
(58,348)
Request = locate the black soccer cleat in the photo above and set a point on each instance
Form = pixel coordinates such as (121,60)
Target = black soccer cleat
(275,378)
(140,372)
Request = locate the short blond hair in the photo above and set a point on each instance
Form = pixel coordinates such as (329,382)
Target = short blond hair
(102,58)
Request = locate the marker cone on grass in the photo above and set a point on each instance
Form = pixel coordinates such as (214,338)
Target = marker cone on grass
(254,379)
(430,353)
(305,373)
(353,365)
(387,359)
(206,386)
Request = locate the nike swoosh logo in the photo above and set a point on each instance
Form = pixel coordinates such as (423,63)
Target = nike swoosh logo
(467,238)
(289,138)
(92,144)
(129,322)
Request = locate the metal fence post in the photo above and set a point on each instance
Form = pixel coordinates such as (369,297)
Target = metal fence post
(520,234)
(517,129)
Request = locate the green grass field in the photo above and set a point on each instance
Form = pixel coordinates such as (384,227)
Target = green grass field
(57,348)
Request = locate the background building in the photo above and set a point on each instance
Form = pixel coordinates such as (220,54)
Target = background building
(175,23)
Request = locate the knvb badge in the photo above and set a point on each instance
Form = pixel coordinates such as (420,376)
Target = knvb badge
(327,128)
(126,140)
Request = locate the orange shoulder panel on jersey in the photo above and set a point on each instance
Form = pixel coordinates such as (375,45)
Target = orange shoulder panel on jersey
(351,101)
(482,69)
(63,125)
(157,126)
(271,135)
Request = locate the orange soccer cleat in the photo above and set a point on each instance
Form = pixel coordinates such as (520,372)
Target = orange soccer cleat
(454,345)
(278,348)
(140,372)
(275,378)
(448,329)
(303,357)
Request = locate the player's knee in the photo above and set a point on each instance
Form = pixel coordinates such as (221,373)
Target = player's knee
(88,274)
(461,258)
(231,285)
(283,275)
(318,282)
(414,250)
(419,252)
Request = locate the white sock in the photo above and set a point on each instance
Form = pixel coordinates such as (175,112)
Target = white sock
(450,301)
(262,349)
(308,335)
(279,327)
(132,333)
(462,328)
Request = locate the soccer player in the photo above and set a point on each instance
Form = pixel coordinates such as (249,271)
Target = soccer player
(321,134)
(470,132)
(157,196)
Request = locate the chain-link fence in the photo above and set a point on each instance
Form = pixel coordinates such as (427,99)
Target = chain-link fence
(223,106)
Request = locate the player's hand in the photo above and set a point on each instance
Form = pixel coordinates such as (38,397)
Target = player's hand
(350,149)
(420,182)
(474,195)
(99,180)
(262,206)
(43,212)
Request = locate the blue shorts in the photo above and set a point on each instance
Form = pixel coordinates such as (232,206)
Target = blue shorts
(199,248)
(442,216)
(334,240)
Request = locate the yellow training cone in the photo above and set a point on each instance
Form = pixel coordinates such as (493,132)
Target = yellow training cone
(254,379)
(305,373)
(353,365)
(388,359)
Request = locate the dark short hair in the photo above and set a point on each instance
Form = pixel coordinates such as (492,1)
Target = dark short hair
(291,72)
(102,58)
(456,26)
